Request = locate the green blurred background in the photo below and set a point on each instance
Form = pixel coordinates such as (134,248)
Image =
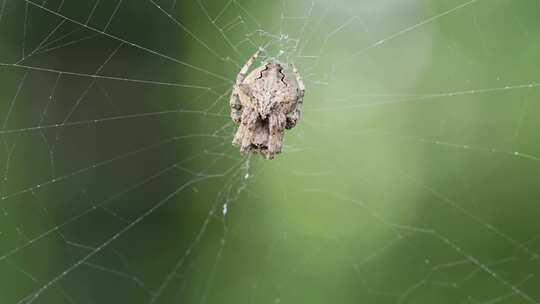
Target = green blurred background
(413,176)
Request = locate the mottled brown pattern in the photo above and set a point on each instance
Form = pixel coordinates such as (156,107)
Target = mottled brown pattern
(264,104)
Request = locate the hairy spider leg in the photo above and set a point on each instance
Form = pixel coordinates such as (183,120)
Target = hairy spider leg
(277,124)
(234,103)
(249,124)
(294,116)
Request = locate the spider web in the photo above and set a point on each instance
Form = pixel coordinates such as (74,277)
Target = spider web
(411,178)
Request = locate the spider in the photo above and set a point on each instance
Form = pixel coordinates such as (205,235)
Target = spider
(264,104)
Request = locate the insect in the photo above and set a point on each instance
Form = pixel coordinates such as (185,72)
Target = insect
(264,104)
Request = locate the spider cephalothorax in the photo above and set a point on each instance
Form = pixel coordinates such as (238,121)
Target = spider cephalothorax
(265,103)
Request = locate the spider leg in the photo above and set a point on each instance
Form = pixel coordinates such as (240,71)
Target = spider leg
(294,116)
(277,123)
(249,124)
(243,72)
(234,102)
(236,108)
